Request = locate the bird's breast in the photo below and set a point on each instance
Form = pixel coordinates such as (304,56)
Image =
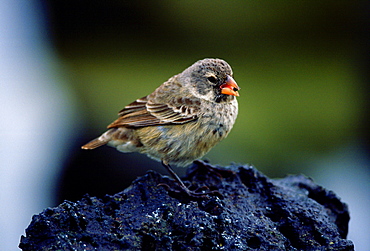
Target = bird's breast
(181,144)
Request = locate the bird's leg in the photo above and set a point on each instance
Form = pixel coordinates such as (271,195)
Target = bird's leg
(182,185)
(173,174)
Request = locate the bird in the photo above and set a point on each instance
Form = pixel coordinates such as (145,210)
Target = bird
(181,120)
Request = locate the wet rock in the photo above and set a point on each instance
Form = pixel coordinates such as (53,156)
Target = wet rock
(252,212)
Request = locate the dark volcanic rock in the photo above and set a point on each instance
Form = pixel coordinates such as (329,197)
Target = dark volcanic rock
(254,213)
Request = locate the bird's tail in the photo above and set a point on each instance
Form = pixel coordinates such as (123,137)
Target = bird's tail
(102,140)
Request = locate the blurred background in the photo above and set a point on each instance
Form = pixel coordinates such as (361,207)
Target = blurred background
(67,68)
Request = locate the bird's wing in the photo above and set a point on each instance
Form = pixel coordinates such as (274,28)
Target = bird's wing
(144,112)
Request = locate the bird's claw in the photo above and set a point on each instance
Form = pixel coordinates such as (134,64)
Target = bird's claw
(197,194)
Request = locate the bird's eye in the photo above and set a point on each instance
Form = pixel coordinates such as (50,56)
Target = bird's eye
(212,79)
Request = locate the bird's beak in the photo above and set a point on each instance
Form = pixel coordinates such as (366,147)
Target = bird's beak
(230,87)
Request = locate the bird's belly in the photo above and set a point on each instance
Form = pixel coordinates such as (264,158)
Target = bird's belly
(181,144)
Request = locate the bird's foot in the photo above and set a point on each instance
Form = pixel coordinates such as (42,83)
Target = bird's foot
(199,193)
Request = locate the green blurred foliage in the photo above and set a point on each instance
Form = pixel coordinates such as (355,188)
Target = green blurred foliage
(294,60)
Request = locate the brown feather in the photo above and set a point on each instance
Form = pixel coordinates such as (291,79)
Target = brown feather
(137,105)
(142,113)
(94,144)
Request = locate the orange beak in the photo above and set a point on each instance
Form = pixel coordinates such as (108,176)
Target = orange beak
(230,87)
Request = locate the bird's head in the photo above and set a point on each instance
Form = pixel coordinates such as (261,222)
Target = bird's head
(211,79)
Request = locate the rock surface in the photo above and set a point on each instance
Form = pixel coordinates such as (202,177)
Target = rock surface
(253,213)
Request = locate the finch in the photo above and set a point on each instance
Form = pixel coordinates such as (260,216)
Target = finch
(181,120)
